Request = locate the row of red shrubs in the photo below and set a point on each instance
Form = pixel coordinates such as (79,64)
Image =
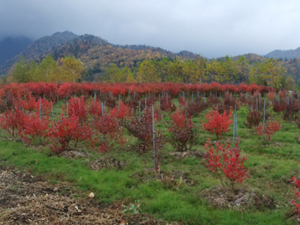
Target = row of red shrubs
(70,89)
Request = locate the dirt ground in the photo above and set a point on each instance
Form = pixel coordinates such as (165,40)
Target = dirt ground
(28,199)
(109,163)
(240,199)
(181,155)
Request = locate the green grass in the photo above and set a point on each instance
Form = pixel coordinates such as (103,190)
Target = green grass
(271,167)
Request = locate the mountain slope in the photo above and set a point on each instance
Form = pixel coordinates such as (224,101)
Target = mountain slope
(39,48)
(253,58)
(284,54)
(43,46)
(95,52)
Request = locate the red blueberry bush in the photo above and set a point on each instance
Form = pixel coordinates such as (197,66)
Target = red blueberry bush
(166,104)
(35,127)
(297,193)
(142,129)
(94,108)
(224,160)
(255,117)
(194,108)
(29,104)
(68,129)
(109,133)
(121,112)
(271,127)
(217,123)
(77,107)
(183,137)
(12,121)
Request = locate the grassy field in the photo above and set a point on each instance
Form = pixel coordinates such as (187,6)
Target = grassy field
(271,167)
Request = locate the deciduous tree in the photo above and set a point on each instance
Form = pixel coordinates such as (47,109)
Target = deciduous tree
(72,69)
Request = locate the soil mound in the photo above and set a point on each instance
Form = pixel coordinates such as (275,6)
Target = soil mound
(219,198)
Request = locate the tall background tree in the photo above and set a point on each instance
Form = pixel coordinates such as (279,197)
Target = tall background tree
(20,70)
(48,70)
(72,69)
(148,71)
(268,72)
(69,69)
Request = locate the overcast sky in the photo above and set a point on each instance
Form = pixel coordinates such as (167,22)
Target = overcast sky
(210,28)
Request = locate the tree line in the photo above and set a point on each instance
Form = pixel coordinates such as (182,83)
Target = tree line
(269,72)
(67,69)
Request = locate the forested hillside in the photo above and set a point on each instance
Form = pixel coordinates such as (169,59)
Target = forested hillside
(103,61)
(95,52)
(39,49)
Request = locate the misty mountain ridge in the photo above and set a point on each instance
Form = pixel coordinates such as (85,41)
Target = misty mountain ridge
(38,49)
(11,46)
(284,54)
(43,46)
(95,52)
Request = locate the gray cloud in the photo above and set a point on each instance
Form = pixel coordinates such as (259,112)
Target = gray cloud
(210,28)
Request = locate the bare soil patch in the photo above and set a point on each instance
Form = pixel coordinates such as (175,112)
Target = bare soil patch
(181,155)
(109,163)
(29,199)
(171,179)
(73,154)
(219,198)
(293,215)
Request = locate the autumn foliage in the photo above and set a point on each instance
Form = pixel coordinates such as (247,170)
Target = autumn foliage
(217,123)
(142,129)
(77,107)
(29,104)
(223,159)
(255,117)
(109,133)
(68,129)
(122,111)
(12,121)
(271,127)
(297,193)
(183,137)
(35,127)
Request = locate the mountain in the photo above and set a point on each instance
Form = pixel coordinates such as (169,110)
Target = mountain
(187,54)
(253,58)
(95,52)
(39,49)
(44,46)
(284,54)
(11,46)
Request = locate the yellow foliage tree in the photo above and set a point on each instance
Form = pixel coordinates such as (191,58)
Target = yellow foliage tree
(268,72)
(127,75)
(148,71)
(222,71)
(48,70)
(194,71)
(176,71)
(71,70)
(113,74)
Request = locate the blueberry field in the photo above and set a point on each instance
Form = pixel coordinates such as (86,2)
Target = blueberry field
(165,153)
